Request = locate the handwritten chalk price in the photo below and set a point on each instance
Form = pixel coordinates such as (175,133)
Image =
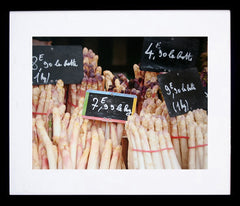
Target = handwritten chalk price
(182,91)
(102,105)
(50,63)
(108,106)
(169,53)
(172,54)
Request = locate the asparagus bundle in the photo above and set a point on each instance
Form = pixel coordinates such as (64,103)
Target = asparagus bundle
(93,79)
(77,143)
(144,85)
(44,99)
(150,145)
(188,133)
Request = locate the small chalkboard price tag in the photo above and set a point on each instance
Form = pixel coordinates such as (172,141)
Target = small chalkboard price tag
(182,91)
(50,63)
(108,106)
(169,53)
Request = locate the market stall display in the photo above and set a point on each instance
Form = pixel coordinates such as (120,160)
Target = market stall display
(63,139)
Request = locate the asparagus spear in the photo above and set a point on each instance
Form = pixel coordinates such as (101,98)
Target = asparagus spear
(42,133)
(106,155)
(93,161)
(144,141)
(115,157)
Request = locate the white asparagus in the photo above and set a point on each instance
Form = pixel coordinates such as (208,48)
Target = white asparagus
(199,141)
(138,145)
(42,133)
(106,155)
(183,142)
(93,161)
(154,145)
(163,146)
(205,142)
(83,133)
(35,157)
(144,141)
(82,163)
(175,141)
(191,144)
(172,155)
(74,139)
(113,132)
(101,140)
(120,128)
(115,157)
(71,122)
(66,158)
(56,125)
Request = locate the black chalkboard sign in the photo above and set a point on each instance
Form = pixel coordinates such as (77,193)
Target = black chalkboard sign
(50,63)
(169,53)
(182,91)
(108,106)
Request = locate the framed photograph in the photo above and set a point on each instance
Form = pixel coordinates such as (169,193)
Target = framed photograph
(155,125)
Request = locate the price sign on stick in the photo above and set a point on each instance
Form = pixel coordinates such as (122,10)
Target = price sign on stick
(50,63)
(108,106)
(169,53)
(182,91)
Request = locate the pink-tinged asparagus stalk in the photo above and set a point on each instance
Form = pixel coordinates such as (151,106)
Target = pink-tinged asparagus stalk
(106,155)
(41,102)
(83,133)
(66,158)
(101,140)
(107,131)
(48,89)
(115,157)
(56,125)
(183,142)
(71,122)
(60,163)
(82,163)
(64,125)
(35,157)
(73,89)
(120,159)
(78,92)
(35,97)
(79,152)
(42,133)
(113,131)
(120,128)
(93,161)
(74,140)
(34,131)
(43,157)
(60,91)
(145,145)
(89,139)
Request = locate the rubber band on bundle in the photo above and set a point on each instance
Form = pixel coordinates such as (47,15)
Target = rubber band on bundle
(72,104)
(179,137)
(151,151)
(39,113)
(202,145)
